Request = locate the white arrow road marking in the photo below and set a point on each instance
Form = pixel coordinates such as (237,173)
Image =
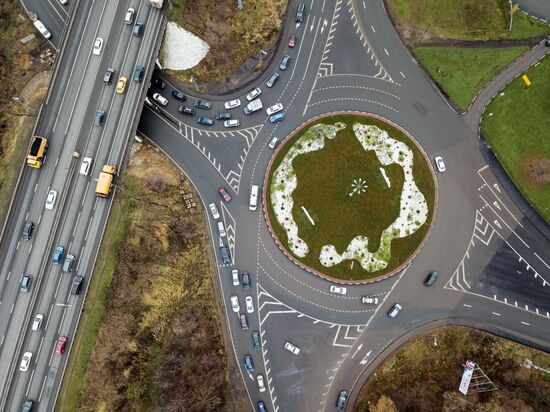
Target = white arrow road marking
(364,360)
(358,349)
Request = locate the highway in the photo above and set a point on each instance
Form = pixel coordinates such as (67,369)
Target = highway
(78,218)
(494,263)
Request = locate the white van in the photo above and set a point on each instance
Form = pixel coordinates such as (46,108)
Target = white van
(42,29)
(221,229)
(253,203)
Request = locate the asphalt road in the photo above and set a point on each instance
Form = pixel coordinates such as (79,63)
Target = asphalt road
(54,15)
(78,218)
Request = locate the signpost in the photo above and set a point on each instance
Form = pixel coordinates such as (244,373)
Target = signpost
(466,377)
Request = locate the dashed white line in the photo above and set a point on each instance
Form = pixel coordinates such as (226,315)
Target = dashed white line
(525,323)
(402,75)
(386,52)
(372,28)
(495,313)
(468,306)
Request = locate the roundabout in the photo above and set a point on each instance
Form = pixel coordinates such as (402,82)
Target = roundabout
(350,197)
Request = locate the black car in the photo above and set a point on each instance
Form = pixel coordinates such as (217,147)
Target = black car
(246,281)
(430,279)
(548,42)
(139,28)
(189,111)
(284,62)
(203,104)
(158,82)
(77,285)
(99,117)
(176,94)
(300,13)
(27,230)
(207,121)
(223,116)
(108,77)
(256,340)
(341,401)
(138,73)
(226,257)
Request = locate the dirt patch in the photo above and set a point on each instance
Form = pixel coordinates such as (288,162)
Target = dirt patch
(537,170)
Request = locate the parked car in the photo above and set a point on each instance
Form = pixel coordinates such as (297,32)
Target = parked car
(159,98)
(342,400)
(25,362)
(253,94)
(430,279)
(25,283)
(260,381)
(98,46)
(440,164)
(235,303)
(225,196)
(27,230)
(176,94)
(369,300)
(50,200)
(139,73)
(223,116)
(273,143)
(86,166)
(129,17)
(341,290)
(272,80)
(203,104)
(261,406)
(225,254)
(189,111)
(108,76)
(256,342)
(68,264)
(231,104)
(121,85)
(300,13)
(214,210)
(249,364)
(244,322)
(232,123)
(99,117)
(60,345)
(276,108)
(276,118)
(235,277)
(58,255)
(292,40)
(37,322)
(158,82)
(284,62)
(395,309)
(206,121)
(292,348)
(246,281)
(249,304)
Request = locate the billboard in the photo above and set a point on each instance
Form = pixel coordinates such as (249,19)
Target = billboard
(466,377)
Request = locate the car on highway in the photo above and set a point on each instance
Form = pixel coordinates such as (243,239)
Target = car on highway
(341,290)
(138,30)
(272,80)
(86,166)
(276,118)
(431,278)
(25,362)
(68,264)
(342,400)
(58,255)
(99,117)
(37,322)
(202,104)
(232,123)
(223,116)
(176,94)
(300,13)
(189,111)
(27,406)
(98,46)
(253,94)
(60,345)
(223,193)
(292,40)
(27,231)
(25,284)
(76,286)
(276,108)
(160,99)
(235,303)
(129,17)
(244,322)
(50,200)
(108,76)
(292,348)
(139,73)
(214,210)
(440,164)
(284,62)
(261,406)
(394,310)
(249,364)
(246,281)
(235,277)
(121,85)
(260,381)
(206,121)
(231,104)
(256,340)
(273,143)
(249,304)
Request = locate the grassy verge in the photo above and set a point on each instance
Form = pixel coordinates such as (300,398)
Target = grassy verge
(324,181)
(424,375)
(516,124)
(462,72)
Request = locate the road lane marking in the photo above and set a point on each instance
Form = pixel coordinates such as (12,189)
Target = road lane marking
(374,31)
(495,313)
(525,323)
(42,389)
(468,306)
(545,264)
(386,52)
(29,384)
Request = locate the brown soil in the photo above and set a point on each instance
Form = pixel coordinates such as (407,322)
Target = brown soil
(537,170)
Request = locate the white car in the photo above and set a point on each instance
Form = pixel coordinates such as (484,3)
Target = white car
(129,18)
(394,310)
(369,300)
(440,164)
(231,104)
(338,289)
(291,348)
(37,322)
(214,210)
(86,166)
(260,380)
(235,277)
(249,304)
(159,98)
(276,108)
(273,143)
(253,94)
(235,303)
(98,46)
(50,200)
(25,362)
(232,123)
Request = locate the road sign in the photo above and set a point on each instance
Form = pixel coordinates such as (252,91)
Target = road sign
(466,377)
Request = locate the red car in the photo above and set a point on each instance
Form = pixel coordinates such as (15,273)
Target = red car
(292,40)
(226,196)
(60,345)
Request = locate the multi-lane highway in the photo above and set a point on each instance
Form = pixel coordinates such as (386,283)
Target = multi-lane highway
(494,263)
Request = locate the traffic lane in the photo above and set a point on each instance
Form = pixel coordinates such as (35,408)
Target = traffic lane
(536,8)
(54,16)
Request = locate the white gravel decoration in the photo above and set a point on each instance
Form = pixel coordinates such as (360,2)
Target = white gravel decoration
(284,181)
(182,49)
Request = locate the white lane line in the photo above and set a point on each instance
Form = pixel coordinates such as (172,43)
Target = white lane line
(372,28)
(386,52)
(29,384)
(402,75)
(525,323)
(42,389)
(545,264)
(468,306)
(495,313)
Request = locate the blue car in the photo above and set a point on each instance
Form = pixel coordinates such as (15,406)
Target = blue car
(58,255)
(261,407)
(277,117)
(248,364)
(207,121)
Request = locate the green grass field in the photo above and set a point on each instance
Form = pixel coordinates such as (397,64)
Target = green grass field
(516,124)
(324,182)
(462,72)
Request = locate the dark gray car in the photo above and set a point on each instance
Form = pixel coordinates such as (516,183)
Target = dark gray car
(203,104)
(246,281)
(76,287)
(26,283)
(27,230)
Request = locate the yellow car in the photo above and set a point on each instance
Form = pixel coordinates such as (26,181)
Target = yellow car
(121,85)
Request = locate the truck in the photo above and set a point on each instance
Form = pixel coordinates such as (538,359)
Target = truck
(157,4)
(105,180)
(37,154)
(253,106)
(39,25)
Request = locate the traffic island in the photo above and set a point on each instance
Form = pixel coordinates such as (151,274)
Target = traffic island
(350,197)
